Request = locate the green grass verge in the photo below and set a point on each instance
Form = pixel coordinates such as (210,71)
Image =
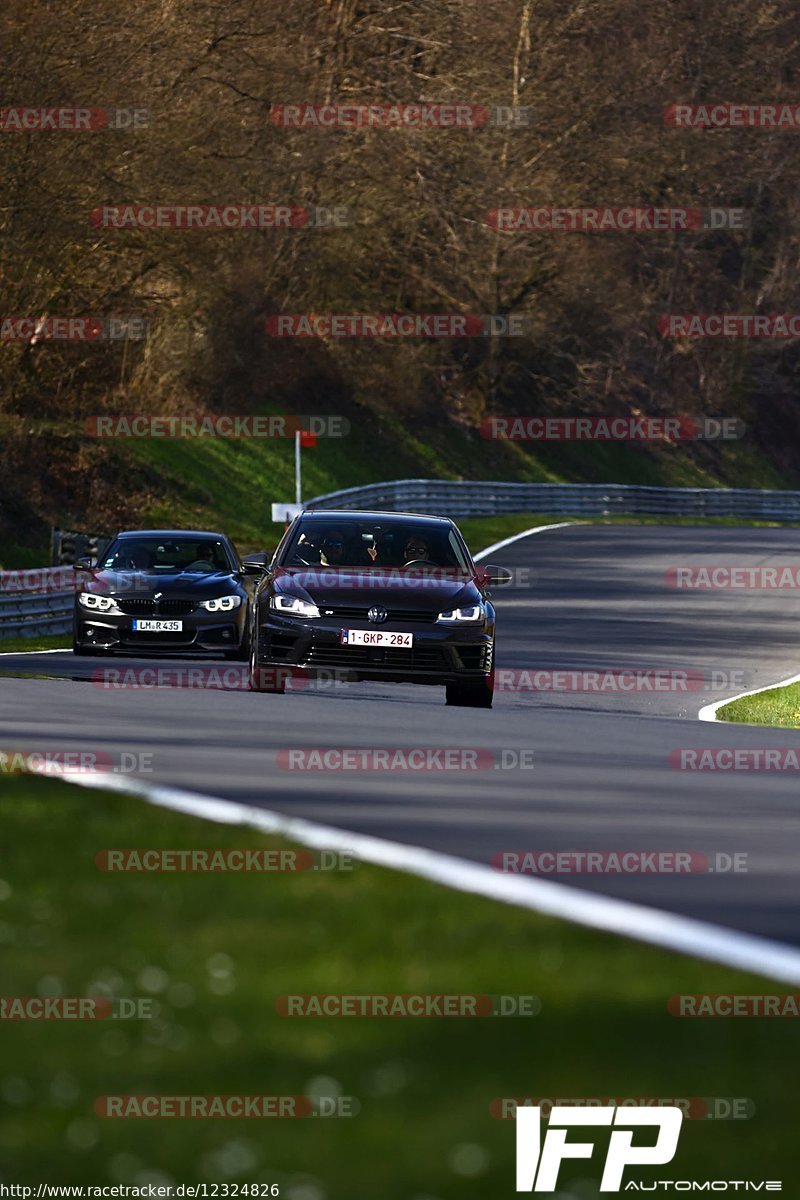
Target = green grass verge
(216,950)
(778,706)
(57,641)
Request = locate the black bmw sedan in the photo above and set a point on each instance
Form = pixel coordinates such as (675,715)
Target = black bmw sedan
(394,597)
(164,590)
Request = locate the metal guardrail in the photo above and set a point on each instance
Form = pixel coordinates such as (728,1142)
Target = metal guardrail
(462,498)
(40,599)
(36,601)
(27,616)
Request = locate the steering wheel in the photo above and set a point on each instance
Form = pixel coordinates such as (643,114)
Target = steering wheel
(201,565)
(420,562)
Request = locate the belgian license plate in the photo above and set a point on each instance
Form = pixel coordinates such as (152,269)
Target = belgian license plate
(376,637)
(141,626)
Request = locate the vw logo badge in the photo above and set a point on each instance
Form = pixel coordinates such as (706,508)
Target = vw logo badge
(377,615)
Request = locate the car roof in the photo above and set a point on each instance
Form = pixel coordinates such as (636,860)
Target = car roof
(176,533)
(346,514)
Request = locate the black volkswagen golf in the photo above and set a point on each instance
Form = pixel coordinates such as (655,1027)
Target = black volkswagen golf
(165,590)
(385,596)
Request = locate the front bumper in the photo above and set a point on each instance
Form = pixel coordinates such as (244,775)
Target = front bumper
(441,654)
(202,632)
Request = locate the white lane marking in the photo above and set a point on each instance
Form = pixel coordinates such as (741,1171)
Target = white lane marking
(742,951)
(709,711)
(58,650)
(516,537)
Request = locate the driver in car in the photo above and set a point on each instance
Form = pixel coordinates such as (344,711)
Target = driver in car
(138,560)
(333,548)
(416,549)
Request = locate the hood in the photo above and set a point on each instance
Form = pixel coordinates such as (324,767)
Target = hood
(342,587)
(179,583)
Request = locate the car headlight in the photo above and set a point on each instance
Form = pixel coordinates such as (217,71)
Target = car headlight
(221,604)
(104,604)
(293,606)
(462,616)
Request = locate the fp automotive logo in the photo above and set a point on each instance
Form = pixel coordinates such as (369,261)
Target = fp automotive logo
(538,1165)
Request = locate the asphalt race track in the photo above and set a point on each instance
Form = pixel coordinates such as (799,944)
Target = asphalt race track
(589,598)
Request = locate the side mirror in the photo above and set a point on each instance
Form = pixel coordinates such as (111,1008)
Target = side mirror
(83,564)
(495,576)
(251,567)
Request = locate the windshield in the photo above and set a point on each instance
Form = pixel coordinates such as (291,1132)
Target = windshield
(192,556)
(375,545)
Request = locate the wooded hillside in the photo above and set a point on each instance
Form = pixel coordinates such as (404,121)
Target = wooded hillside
(593,78)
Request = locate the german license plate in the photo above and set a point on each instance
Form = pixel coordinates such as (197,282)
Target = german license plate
(376,637)
(141,626)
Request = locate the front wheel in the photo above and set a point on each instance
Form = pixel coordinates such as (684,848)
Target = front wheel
(471,695)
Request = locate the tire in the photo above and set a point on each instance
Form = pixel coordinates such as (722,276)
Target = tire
(470,695)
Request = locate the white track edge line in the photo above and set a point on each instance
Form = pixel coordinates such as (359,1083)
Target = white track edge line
(684,935)
(516,537)
(15,653)
(709,711)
